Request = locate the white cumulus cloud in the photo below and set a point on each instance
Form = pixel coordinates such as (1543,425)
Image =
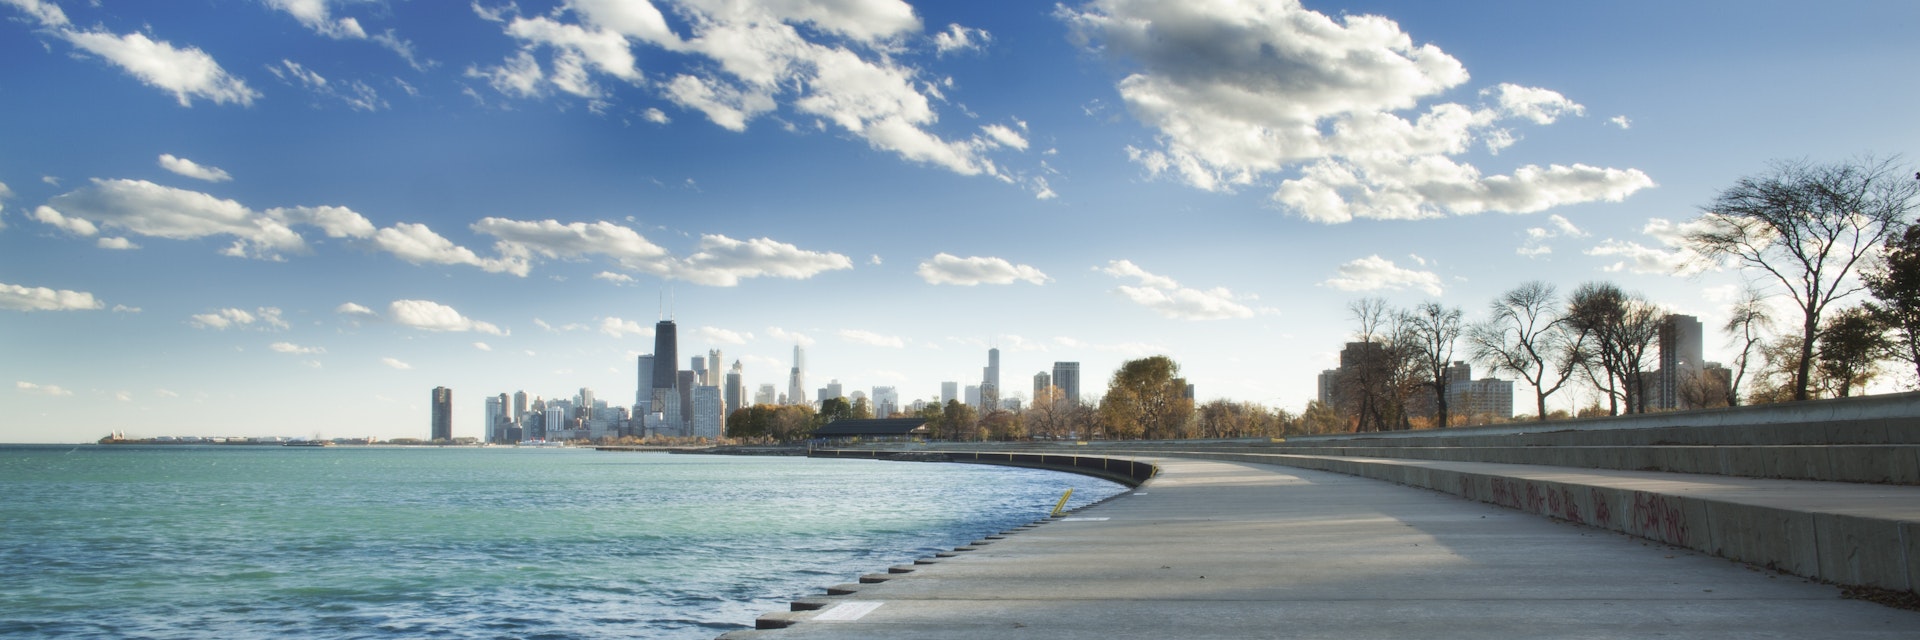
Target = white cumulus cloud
(288,347)
(149,209)
(833,62)
(1244,91)
(621,328)
(193,169)
(1165,296)
(317,15)
(1374,273)
(1671,257)
(723,336)
(187,73)
(723,262)
(223,319)
(396,363)
(959,38)
(433,316)
(353,309)
(976,270)
(1537,237)
(41,389)
(14,297)
(782,335)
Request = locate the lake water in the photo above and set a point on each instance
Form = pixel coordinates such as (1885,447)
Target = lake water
(345,542)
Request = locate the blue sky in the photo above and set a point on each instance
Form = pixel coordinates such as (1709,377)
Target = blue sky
(237,217)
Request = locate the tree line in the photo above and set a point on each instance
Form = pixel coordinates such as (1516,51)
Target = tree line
(1814,235)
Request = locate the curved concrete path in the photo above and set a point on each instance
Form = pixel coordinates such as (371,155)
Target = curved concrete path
(1213,549)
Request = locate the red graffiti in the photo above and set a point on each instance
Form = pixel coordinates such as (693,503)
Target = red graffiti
(1527,496)
(1602,512)
(1504,494)
(1536,500)
(1654,516)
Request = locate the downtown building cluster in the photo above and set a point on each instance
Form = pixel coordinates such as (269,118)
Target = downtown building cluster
(694,402)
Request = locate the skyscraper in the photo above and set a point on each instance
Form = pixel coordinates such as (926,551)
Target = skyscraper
(766,395)
(708,421)
(736,388)
(643,393)
(1041,382)
(442,414)
(519,406)
(1066,376)
(1681,362)
(990,382)
(496,409)
(886,401)
(797,378)
(713,369)
(700,372)
(949,391)
(666,374)
(685,391)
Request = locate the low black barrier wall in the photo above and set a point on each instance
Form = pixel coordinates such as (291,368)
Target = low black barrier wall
(1125,471)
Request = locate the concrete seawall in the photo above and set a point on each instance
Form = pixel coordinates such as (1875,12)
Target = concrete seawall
(1125,471)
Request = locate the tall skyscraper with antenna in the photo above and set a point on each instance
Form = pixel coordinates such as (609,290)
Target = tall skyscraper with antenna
(797,379)
(666,374)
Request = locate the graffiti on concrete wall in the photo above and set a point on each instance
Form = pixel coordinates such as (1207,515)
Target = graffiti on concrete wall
(1658,517)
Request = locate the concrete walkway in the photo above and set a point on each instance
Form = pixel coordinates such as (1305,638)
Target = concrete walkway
(1216,549)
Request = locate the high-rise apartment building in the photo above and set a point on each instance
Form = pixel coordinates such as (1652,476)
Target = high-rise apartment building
(685,392)
(736,394)
(442,414)
(949,392)
(973,396)
(496,410)
(714,376)
(708,421)
(1681,364)
(1066,376)
(519,406)
(643,394)
(1041,382)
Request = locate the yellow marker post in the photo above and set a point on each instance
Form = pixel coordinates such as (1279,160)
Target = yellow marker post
(1062,504)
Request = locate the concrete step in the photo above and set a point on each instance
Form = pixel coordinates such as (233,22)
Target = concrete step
(1884,464)
(1848,534)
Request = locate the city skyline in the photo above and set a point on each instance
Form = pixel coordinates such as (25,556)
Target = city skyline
(316,211)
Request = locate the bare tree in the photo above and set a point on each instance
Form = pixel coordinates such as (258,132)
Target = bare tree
(1808,226)
(1747,329)
(1433,330)
(1525,335)
(1366,369)
(1621,329)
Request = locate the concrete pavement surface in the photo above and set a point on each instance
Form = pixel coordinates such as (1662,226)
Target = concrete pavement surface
(1215,549)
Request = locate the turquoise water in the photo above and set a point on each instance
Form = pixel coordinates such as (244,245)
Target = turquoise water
(251,541)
